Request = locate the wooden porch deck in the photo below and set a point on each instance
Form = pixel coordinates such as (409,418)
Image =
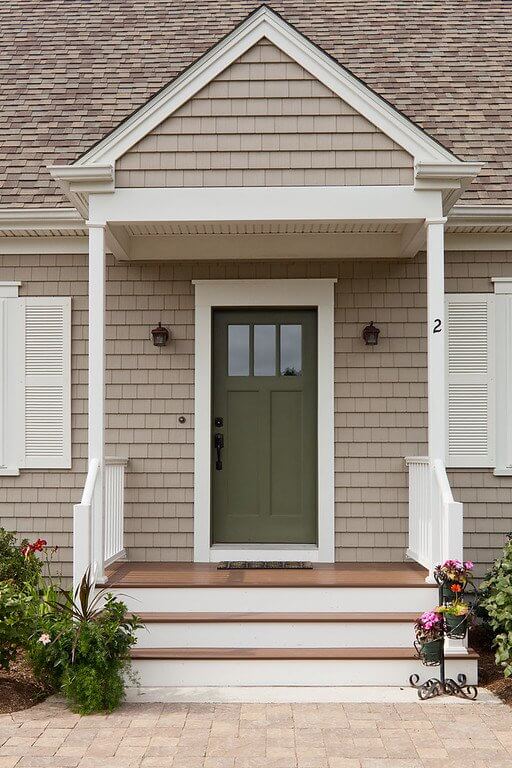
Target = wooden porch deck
(321,575)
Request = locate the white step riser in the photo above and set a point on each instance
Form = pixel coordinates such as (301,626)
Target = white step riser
(277,635)
(197,673)
(278,599)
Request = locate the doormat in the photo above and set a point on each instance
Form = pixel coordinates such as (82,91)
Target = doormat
(240,565)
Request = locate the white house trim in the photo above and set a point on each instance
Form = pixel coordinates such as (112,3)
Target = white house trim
(9,289)
(436,366)
(263,293)
(13,219)
(503,362)
(265,204)
(264,23)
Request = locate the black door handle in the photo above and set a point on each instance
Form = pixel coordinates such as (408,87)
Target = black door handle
(219,445)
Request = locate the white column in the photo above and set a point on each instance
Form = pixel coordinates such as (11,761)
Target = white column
(436,339)
(96,424)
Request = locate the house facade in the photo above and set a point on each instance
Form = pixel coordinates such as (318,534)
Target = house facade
(269,208)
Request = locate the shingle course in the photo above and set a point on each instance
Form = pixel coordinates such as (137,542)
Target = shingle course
(71,71)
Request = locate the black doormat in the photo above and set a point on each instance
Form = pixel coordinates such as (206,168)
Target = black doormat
(240,565)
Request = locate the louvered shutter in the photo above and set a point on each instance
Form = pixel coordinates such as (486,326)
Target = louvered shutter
(47,383)
(470,380)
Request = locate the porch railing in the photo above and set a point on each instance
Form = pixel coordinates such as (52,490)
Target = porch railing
(98,521)
(114,510)
(435,518)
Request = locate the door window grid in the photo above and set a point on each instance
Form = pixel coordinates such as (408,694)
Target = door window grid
(264,349)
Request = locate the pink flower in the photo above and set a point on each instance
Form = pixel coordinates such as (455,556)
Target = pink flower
(468,565)
(429,619)
(45,639)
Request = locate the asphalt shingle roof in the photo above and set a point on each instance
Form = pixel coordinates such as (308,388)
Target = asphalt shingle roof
(71,70)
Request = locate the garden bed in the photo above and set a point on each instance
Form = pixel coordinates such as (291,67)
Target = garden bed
(19,689)
(489,675)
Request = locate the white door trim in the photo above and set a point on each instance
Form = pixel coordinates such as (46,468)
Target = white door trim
(317,293)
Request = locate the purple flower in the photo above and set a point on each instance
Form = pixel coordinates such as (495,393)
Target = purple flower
(429,619)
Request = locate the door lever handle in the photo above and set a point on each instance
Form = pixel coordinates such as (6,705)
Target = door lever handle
(219,445)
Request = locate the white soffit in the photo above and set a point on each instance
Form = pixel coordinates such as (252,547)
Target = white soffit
(264,23)
(263,228)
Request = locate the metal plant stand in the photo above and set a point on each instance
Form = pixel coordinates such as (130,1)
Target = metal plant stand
(443,685)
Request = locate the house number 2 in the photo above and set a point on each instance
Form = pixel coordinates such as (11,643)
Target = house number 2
(437,326)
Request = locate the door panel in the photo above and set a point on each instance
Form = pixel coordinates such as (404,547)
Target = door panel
(241,455)
(286,455)
(265,410)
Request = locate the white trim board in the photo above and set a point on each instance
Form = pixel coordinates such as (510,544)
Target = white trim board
(264,23)
(263,293)
(322,203)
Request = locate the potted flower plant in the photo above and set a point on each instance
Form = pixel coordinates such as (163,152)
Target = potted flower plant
(456,614)
(454,576)
(428,629)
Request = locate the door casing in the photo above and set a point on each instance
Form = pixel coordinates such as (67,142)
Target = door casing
(210,294)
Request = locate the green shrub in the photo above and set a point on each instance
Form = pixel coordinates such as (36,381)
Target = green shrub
(82,647)
(496,607)
(14,564)
(14,623)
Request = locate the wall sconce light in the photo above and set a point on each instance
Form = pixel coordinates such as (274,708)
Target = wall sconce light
(371,335)
(160,335)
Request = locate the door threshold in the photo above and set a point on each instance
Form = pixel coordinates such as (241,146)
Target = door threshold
(220,552)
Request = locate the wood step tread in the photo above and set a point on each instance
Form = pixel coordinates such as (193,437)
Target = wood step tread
(202,575)
(340,654)
(269,617)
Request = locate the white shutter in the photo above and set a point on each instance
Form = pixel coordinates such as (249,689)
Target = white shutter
(47,383)
(470,380)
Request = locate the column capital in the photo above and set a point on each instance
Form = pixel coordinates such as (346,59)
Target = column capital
(439,220)
(95,224)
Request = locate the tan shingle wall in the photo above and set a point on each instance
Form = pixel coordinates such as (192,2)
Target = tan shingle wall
(380,403)
(264,121)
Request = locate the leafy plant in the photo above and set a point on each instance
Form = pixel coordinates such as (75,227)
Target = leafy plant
(496,605)
(456,608)
(18,562)
(22,591)
(13,622)
(82,644)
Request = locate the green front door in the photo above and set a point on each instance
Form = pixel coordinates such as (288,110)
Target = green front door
(264,426)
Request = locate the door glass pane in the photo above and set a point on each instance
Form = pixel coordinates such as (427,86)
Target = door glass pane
(291,350)
(238,350)
(264,350)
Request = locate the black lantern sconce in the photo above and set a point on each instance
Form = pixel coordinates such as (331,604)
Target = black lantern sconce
(371,335)
(160,335)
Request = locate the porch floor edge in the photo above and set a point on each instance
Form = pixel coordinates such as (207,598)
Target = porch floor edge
(373,575)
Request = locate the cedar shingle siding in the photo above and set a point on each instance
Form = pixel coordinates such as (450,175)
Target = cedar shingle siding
(380,403)
(264,122)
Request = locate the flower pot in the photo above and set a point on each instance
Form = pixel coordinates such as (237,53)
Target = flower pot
(456,626)
(431,652)
(448,595)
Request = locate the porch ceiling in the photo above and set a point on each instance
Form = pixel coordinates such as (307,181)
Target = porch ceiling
(263,228)
(259,240)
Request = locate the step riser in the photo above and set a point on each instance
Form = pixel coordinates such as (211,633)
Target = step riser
(281,599)
(196,673)
(277,635)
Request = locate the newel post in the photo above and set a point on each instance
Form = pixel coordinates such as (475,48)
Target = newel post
(436,340)
(96,423)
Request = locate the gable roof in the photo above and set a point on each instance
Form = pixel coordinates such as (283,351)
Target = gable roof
(72,72)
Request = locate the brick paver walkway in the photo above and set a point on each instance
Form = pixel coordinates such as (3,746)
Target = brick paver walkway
(261,736)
